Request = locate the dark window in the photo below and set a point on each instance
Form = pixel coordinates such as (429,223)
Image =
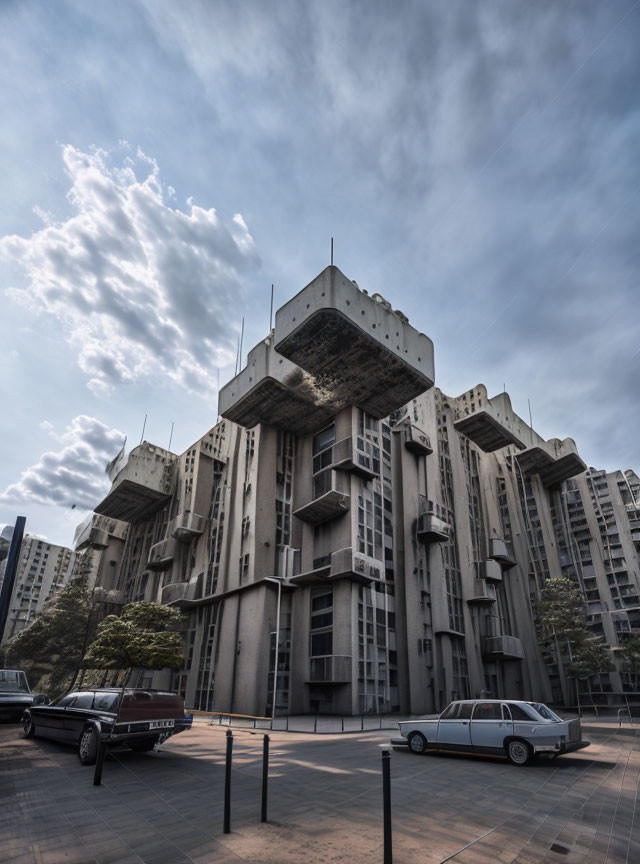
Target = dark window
(321,644)
(83,700)
(506,714)
(487,711)
(519,713)
(322,601)
(324,439)
(65,701)
(106,701)
(451,712)
(465,711)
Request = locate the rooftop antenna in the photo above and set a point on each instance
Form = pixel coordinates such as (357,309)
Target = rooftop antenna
(144,425)
(241,338)
(332,251)
(271,311)
(237,356)
(170,436)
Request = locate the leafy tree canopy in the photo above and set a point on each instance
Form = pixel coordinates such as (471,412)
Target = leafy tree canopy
(560,612)
(50,649)
(144,636)
(629,652)
(591,657)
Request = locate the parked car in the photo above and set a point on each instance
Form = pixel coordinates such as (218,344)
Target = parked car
(138,718)
(519,730)
(15,694)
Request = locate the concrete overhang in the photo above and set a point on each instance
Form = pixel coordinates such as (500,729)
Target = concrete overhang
(553,460)
(274,391)
(492,424)
(357,347)
(142,486)
(502,648)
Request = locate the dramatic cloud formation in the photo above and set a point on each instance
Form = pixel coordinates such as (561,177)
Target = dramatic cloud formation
(141,288)
(73,475)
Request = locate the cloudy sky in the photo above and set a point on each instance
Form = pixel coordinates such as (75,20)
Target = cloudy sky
(163,163)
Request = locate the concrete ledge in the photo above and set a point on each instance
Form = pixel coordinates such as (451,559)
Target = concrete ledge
(354,345)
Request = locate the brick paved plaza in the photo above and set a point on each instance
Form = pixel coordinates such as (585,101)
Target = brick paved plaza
(325,803)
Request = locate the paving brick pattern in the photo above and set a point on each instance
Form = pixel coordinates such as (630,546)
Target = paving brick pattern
(325,803)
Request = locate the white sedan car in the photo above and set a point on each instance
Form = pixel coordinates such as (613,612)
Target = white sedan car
(519,730)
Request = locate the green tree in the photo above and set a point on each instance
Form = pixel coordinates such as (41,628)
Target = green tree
(591,656)
(50,649)
(144,636)
(629,653)
(560,611)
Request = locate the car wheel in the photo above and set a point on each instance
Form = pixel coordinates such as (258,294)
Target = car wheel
(519,752)
(28,728)
(88,746)
(417,742)
(142,746)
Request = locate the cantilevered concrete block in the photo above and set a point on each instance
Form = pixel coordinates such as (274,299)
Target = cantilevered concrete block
(274,391)
(142,486)
(356,346)
(554,460)
(490,423)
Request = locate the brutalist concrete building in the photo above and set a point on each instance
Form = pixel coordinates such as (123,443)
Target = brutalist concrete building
(348,539)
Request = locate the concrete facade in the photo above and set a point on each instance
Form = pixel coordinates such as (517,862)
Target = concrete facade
(374,540)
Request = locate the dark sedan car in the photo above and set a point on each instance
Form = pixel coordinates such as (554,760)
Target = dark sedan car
(15,695)
(136,718)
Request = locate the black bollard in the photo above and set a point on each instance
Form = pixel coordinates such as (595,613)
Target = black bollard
(265,776)
(386,804)
(227,785)
(97,774)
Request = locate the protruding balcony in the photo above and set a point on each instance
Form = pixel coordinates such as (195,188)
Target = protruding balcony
(329,500)
(181,594)
(498,648)
(416,441)
(484,593)
(330,669)
(347,456)
(142,486)
(490,423)
(112,597)
(501,552)
(431,529)
(161,554)
(553,460)
(272,390)
(186,526)
(348,564)
(490,570)
(356,345)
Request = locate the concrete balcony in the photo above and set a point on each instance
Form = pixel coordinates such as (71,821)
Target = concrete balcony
(186,526)
(501,552)
(484,593)
(181,594)
(490,423)
(361,349)
(142,486)
(490,570)
(348,564)
(553,460)
(161,554)
(276,392)
(502,648)
(330,499)
(415,440)
(330,669)
(431,529)
(111,597)
(347,456)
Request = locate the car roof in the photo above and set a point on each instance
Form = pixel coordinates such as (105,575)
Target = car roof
(506,699)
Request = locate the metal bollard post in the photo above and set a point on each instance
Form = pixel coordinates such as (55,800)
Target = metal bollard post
(315,723)
(386,804)
(227,784)
(265,776)
(97,774)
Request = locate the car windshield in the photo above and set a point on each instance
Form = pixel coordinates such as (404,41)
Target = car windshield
(544,712)
(11,681)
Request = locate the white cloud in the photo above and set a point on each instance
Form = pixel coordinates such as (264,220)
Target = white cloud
(142,289)
(75,474)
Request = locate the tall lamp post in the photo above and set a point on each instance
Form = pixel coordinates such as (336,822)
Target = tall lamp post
(278,582)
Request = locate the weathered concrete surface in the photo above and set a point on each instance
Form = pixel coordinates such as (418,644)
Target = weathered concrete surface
(325,803)
(354,345)
(554,461)
(142,486)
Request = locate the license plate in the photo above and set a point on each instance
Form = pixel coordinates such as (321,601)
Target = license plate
(161,724)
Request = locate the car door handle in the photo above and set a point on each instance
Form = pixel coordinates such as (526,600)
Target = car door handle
(465,722)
